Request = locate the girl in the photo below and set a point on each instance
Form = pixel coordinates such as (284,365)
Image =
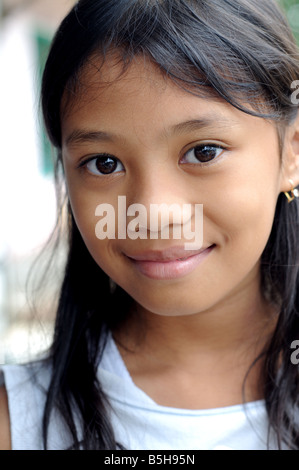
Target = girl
(159,347)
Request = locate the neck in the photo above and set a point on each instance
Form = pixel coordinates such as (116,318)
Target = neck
(236,322)
(217,346)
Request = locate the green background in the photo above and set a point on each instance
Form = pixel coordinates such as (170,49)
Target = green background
(292,10)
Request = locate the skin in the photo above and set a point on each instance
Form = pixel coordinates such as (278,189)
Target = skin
(209,325)
(201,331)
(5,440)
(238,191)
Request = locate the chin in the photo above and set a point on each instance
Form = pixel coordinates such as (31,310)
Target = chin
(171,307)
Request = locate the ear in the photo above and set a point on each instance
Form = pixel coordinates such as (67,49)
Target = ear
(290,157)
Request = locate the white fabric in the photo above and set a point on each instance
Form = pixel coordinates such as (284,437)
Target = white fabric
(138,422)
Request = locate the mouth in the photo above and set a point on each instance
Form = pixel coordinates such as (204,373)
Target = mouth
(170,263)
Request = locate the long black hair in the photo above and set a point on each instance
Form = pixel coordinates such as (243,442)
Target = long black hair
(239,50)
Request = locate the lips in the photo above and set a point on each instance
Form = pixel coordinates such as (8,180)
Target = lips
(170,263)
(170,254)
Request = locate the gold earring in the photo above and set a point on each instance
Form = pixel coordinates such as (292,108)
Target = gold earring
(290,195)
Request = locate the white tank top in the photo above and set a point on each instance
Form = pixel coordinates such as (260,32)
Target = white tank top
(138,422)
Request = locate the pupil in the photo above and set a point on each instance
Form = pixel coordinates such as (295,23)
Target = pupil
(106,165)
(205,154)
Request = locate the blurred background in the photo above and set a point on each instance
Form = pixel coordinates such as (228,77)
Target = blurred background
(27,193)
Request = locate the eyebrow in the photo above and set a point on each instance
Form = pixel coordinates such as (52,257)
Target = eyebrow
(79,136)
(197,124)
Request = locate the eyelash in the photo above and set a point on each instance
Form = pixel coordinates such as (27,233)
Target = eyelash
(85,163)
(117,161)
(203,146)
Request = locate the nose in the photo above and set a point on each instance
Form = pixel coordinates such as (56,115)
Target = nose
(159,196)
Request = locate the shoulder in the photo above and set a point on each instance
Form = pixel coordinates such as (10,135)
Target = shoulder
(5,437)
(22,397)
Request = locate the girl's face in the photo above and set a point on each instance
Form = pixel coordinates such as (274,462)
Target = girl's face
(140,136)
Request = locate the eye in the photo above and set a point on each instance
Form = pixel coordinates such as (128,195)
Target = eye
(203,153)
(103,165)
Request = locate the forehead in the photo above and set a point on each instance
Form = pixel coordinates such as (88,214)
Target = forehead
(101,78)
(139,99)
(105,85)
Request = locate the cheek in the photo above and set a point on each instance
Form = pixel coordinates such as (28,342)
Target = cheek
(83,206)
(104,252)
(246,216)
(84,215)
